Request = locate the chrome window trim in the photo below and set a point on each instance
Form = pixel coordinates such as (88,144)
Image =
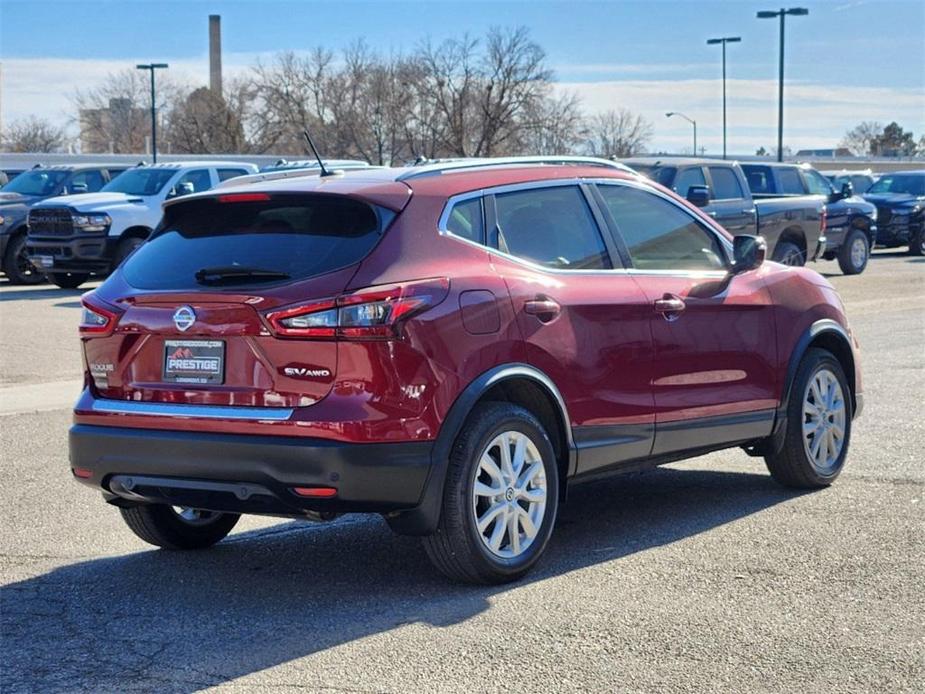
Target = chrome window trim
(164,409)
(513,187)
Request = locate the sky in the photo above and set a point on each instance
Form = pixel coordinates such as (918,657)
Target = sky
(847,61)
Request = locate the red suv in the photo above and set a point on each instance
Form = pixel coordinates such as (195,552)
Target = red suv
(450,346)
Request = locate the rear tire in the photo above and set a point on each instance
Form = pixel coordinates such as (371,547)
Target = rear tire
(854,253)
(496,538)
(788,253)
(16,263)
(68,280)
(818,426)
(162,526)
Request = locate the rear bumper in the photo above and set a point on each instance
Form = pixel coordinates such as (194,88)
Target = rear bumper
(84,253)
(248,474)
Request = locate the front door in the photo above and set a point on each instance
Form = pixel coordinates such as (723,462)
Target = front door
(584,319)
(713,377)
(730,205)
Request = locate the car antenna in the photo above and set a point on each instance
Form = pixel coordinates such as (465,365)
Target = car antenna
(324,170)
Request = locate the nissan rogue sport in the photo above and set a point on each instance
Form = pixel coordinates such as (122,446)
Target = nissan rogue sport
(450,346)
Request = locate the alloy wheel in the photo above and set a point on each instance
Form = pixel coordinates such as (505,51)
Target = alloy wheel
(858,252)
(509,494)
(824,417)
(194,516)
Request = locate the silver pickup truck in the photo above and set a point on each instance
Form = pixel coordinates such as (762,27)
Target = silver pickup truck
(793,226)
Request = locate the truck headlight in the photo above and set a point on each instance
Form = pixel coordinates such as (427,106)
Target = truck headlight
(92,222)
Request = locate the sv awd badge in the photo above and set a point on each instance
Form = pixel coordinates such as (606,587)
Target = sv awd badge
(305,372)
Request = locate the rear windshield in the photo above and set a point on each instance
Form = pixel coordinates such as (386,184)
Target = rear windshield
(287,238)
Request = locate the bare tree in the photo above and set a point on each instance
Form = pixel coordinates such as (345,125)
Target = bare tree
(33,134)
(618,133)
(115,116)
(861,138)
(203,122)
(554,125)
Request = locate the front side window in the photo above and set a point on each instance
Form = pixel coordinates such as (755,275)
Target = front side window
(465,220)
(692,176)
(86,182)
(191,182)
(816,183)
(660,235)
(725,184)
(552,227)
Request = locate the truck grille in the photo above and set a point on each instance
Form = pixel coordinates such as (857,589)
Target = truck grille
(884,215)
(51,222)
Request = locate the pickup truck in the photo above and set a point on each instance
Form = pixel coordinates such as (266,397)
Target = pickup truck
(73,237)
(900,200)
(29,188)
(793,227)
(851,222)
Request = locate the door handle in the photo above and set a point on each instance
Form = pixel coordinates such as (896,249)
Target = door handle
(750,211)
(712,214)
(543,308)
(670,307)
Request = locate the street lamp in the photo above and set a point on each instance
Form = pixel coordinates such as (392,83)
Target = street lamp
(689,120)
(770,14)
(152,67)
(724,41)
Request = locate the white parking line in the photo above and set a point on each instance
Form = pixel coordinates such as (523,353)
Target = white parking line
(39,397)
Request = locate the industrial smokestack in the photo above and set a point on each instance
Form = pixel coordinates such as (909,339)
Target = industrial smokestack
(215,54)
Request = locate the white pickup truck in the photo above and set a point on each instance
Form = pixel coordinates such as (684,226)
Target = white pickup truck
(74,236)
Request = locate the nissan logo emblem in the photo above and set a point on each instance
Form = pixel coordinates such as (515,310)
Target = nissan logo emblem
(184,317)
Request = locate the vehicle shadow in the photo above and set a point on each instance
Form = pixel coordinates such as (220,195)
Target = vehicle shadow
(44,293)
(184,621)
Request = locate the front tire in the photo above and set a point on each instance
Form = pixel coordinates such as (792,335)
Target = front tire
(183,528)
(917,244)
(125,248)
(500,498)
(68,280)
(16,263)
(854,253)
(818,427)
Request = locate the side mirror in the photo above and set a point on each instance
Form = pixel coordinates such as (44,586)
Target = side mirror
(78,188)
(181,189)
(699,195)
(748,252)
(847,189)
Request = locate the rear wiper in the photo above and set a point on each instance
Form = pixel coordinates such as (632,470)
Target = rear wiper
(216,275)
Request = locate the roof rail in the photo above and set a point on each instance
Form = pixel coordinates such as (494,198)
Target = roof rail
(452,165)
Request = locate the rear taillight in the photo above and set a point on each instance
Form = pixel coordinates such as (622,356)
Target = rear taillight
(369,314)
(97,319)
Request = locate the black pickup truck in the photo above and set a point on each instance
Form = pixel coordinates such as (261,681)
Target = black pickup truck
(851,222)
(900,201)
(793,226)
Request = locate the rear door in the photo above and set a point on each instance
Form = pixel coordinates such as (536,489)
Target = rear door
(583,318)
(713,376)
(731,204)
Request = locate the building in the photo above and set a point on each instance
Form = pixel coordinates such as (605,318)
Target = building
(119,128)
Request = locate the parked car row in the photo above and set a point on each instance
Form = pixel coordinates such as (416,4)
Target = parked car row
(797,209)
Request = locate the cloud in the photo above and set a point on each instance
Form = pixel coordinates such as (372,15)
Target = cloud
(817,115)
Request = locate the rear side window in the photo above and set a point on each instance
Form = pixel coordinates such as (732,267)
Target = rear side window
(296,235)
(660,235)
(725,184)
(759,179)
(225,174)
(552,227)
(465,220)
(790,183)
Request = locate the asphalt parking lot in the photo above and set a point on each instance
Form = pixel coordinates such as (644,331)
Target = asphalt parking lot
(698,576)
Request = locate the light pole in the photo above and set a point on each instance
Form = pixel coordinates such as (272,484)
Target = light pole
(770,14)
(151,67)
(724,41)
(689,120)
